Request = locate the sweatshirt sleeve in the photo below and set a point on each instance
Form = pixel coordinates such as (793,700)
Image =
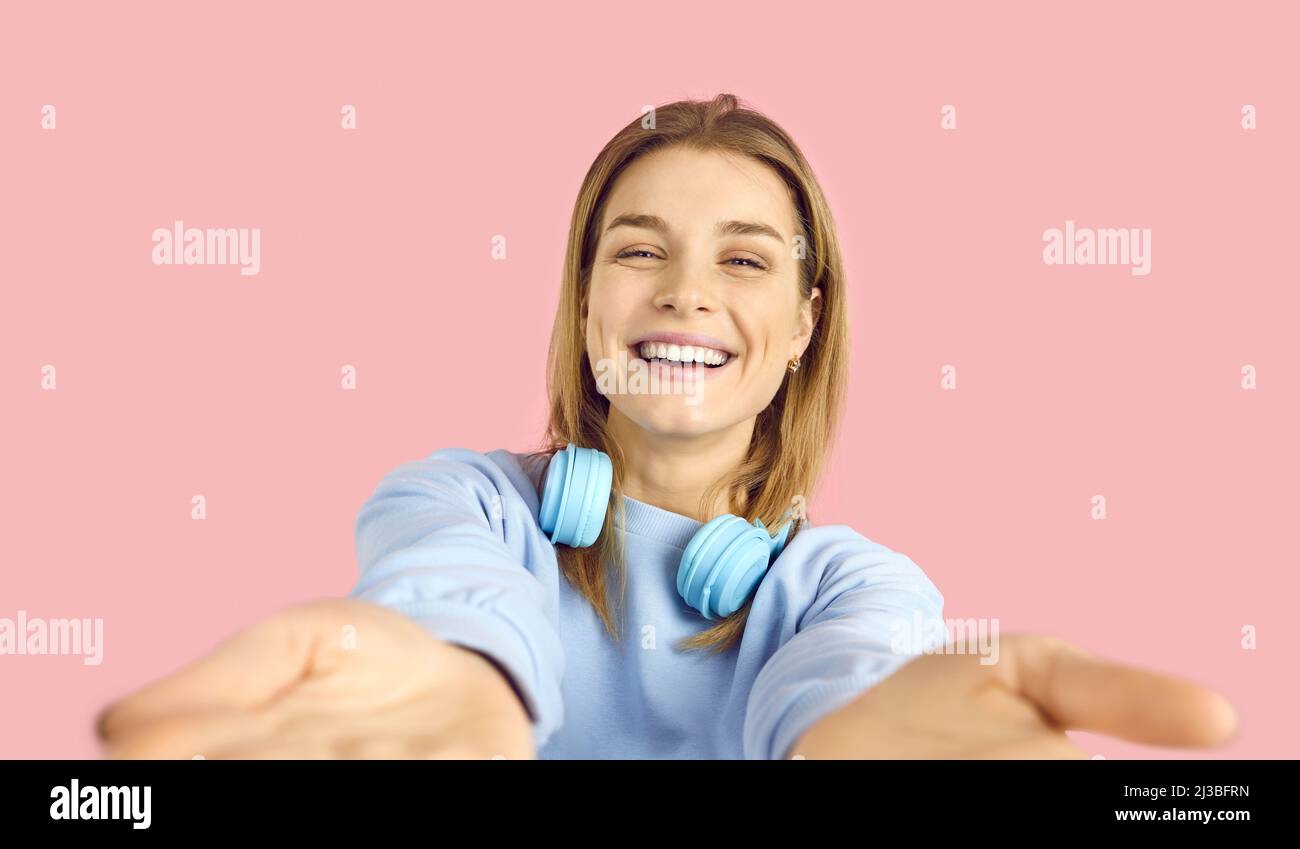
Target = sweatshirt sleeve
(447,540)
(869,603)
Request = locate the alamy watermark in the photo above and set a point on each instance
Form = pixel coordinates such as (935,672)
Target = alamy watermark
(92,802)
(929,635)
(181,245)
(24,635)
(1102,246)
(634,376)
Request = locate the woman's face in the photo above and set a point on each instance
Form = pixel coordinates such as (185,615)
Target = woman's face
(696,260)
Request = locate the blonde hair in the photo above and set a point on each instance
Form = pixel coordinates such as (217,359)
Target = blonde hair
(791,436)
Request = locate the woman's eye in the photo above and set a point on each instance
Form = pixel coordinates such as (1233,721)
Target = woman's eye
(643,253)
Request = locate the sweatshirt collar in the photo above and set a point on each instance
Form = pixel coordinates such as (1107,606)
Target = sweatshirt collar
(665,526)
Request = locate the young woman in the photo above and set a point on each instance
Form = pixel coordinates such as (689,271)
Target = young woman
(618,594)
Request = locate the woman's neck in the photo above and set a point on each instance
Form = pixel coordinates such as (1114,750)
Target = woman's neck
(673,472)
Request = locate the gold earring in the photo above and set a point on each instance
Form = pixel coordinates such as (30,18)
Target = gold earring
(793,365)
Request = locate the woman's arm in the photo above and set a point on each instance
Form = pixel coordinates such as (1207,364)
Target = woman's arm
(451,541)
(859,606)
(855,681)
(448,649)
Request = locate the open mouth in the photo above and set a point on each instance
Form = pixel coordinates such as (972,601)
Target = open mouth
(675,352)
(668,354)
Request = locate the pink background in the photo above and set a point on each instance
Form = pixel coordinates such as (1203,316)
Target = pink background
(476,121)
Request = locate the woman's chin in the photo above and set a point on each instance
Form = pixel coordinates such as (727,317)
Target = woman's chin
(673,416)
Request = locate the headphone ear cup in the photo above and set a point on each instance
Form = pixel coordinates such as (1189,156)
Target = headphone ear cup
(575,496)
(722,565)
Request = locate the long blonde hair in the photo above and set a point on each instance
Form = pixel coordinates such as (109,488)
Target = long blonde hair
(791,436)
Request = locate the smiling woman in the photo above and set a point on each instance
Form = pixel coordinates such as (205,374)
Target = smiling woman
(485,611)
(708,232)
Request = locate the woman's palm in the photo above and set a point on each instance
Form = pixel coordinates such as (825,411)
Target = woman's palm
(332,679)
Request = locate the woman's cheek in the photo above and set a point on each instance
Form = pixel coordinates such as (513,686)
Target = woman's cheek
(769,377)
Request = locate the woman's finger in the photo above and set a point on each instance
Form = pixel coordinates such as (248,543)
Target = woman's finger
(190,735)
(1078,690)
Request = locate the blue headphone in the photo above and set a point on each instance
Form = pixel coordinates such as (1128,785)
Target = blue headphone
(721,566)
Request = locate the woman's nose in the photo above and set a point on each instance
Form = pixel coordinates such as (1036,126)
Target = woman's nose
(684,293)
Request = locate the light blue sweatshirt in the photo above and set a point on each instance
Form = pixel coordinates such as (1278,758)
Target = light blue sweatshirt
(453,541)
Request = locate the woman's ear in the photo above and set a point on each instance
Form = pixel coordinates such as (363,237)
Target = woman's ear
(810,312)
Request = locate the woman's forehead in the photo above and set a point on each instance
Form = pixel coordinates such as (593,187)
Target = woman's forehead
(696,189)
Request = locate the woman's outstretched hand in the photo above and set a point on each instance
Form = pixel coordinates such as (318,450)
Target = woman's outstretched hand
(331,679)
(951,706)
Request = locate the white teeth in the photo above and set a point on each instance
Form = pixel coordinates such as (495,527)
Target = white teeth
(682,353)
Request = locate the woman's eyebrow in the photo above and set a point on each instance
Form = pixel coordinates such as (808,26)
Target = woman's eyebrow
(747,228)
(723,228)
